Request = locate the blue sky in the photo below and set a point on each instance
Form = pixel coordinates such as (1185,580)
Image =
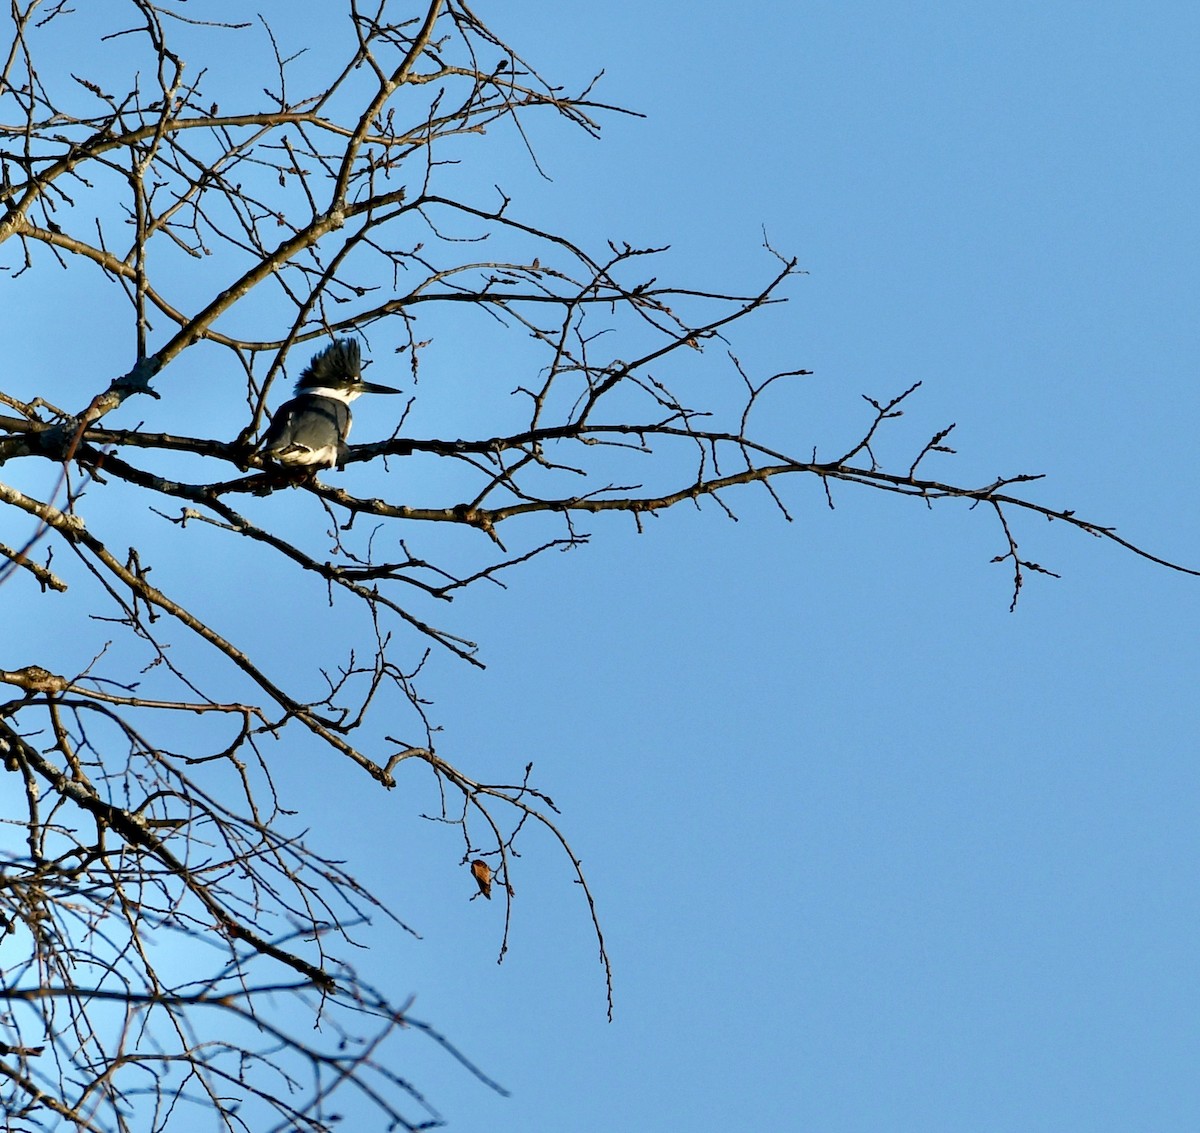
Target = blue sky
(870,852)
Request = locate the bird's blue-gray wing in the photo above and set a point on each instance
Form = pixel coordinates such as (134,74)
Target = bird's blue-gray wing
(308,431)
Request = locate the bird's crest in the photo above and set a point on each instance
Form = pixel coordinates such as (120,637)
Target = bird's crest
(340,363)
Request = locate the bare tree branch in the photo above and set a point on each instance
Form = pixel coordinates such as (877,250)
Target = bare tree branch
(236,222)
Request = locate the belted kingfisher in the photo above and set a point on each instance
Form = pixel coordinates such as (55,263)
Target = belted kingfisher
(310,431)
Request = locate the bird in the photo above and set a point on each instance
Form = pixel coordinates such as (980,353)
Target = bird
(310,430)
(482,873)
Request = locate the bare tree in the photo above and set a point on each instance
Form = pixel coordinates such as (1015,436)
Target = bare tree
(229,229)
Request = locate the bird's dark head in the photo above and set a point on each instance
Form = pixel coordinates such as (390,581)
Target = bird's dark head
(336,372)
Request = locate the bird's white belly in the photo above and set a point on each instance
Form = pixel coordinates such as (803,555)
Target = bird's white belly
(326,456)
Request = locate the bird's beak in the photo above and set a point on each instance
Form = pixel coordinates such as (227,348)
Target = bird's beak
(371,387)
